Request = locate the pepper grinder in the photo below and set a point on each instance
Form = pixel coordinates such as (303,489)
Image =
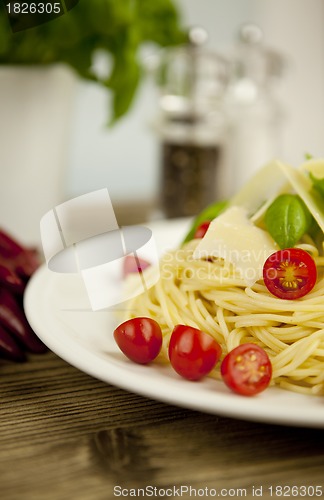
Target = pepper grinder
(190,126)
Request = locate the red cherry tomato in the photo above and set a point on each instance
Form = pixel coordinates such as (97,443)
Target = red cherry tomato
(192,353)
(247,369)
(140,339)
(290,273)
(202,229)
(134,264)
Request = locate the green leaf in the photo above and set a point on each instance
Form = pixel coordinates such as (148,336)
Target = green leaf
(117,27)
(124,86)
(318,184)
(287,220)
(316,233)
(208,214)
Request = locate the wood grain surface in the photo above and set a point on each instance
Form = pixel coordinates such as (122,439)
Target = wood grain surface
(65,435)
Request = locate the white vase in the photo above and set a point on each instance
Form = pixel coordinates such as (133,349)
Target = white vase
(35,114)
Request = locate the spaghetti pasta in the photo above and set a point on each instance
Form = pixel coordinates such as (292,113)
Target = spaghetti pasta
(210,295)
(221,283)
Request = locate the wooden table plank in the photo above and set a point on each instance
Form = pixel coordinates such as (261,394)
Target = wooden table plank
(66,435)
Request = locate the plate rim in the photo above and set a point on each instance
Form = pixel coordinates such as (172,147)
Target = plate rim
(222,403)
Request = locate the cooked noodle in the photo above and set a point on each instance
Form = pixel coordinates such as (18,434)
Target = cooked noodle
(210,295)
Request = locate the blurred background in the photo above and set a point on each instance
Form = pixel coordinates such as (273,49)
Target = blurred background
(126,158)
(230,132)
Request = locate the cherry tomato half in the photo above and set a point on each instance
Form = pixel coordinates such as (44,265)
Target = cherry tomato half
(134,264)
(247,369)
(202,229)
(290,273)
(192,353)
(140,339)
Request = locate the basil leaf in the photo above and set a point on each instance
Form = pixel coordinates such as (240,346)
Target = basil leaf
(318,184)
(118,29)
(208,214)
(287,220)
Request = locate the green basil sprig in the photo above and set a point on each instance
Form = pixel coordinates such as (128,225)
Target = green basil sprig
(318,184)
(287,220)
(116,29)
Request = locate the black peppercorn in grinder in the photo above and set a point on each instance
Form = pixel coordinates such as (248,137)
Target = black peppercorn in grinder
(191,126)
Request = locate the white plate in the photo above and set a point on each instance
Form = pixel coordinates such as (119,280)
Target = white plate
(56,307)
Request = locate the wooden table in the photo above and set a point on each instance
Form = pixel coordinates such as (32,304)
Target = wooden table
(65,435)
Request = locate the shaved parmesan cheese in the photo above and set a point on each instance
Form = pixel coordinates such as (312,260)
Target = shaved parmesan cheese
(315,167)
(234,238)
(277,178)
(259,192)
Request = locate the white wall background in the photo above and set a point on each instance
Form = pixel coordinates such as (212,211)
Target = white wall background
(297,28)
(125,158)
